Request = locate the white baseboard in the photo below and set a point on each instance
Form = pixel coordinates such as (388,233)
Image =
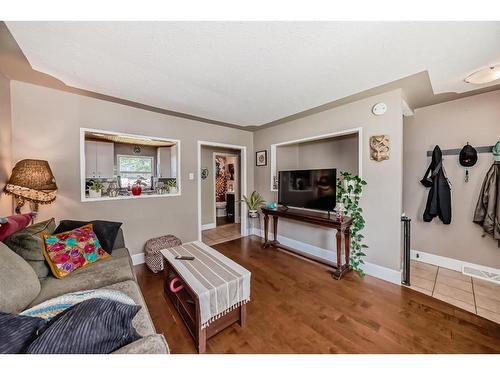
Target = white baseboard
(450,263)
(329,257)
(138,259)
(208,226)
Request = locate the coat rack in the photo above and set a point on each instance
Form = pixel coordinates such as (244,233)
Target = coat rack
(456,151)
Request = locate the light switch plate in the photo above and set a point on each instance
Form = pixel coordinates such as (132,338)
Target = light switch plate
(191,176)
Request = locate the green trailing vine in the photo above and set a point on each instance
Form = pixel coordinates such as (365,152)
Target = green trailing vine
(349,190)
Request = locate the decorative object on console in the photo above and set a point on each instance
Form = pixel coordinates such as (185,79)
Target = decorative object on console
(261,158)
(106,231)
(271,205)
(28,244)
(95,189)
(65,252)
(253,202)
(339,211)
(32,181)
(379,147)
(349,190)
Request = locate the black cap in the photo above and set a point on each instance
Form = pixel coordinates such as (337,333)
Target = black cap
(468,156)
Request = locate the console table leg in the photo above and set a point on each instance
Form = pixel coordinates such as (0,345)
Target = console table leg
(348,248)
(337,274)
(275,228)
(266,229)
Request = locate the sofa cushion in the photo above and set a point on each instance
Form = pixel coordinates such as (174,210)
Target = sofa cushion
(29,245)
(17,332)
(142,321)
(19,284)
(153,344)
(106,231)
(68,251)
(112,270)
(13,224)
(94,326)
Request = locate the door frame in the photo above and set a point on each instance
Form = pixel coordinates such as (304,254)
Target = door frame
(243,184)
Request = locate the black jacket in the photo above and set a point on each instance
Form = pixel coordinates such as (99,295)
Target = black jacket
(439,199)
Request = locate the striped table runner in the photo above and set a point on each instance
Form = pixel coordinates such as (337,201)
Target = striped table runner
(220,284)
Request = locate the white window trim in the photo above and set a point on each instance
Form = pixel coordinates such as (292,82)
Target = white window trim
(83,198)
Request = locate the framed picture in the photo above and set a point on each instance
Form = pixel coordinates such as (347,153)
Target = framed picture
(261,158)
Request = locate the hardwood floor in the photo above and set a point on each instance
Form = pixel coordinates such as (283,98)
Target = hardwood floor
(296,307)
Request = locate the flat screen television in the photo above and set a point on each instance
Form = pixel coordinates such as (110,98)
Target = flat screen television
(309,188)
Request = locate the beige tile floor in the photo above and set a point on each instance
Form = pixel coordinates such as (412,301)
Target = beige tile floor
(220,234)
(475,295)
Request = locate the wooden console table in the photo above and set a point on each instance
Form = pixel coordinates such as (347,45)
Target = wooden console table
(322,219)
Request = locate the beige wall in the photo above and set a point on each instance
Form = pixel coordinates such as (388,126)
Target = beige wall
(5,144)
(382,200)
(207,185)
(46,125)
(338,152)
(475,120)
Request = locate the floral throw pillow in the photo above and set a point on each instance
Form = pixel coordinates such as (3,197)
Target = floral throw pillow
(68,251)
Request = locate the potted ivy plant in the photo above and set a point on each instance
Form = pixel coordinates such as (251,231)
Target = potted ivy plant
(137,187)
(253,202)
(349,190)
(95,189)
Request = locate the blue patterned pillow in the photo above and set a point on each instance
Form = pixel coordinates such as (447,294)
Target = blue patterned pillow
(17,332)
(94,326)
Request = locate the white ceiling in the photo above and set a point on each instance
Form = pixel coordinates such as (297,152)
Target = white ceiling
(255,72)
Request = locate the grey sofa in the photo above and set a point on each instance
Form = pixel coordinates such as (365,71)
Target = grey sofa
(20,289)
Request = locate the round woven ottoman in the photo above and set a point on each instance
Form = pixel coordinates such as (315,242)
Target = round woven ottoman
(154,259)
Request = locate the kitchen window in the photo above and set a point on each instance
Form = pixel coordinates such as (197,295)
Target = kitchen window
(131,168)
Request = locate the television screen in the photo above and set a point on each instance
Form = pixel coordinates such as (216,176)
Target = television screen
(310,188)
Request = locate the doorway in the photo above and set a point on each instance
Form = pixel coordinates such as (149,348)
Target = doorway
(221,184)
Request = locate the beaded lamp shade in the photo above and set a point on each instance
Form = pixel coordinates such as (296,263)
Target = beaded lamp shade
(32,180)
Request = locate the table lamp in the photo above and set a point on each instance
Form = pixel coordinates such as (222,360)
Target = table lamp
(32,181)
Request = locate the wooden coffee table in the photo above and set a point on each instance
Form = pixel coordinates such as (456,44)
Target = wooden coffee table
(187,304)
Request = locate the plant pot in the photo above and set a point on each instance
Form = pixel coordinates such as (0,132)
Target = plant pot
(94,194)
(172,190)
(136,190)
(252,213)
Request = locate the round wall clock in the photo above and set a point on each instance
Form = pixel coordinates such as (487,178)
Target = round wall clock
(379,109)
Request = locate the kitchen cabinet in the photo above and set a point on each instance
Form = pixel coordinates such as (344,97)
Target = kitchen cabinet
(99,159)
